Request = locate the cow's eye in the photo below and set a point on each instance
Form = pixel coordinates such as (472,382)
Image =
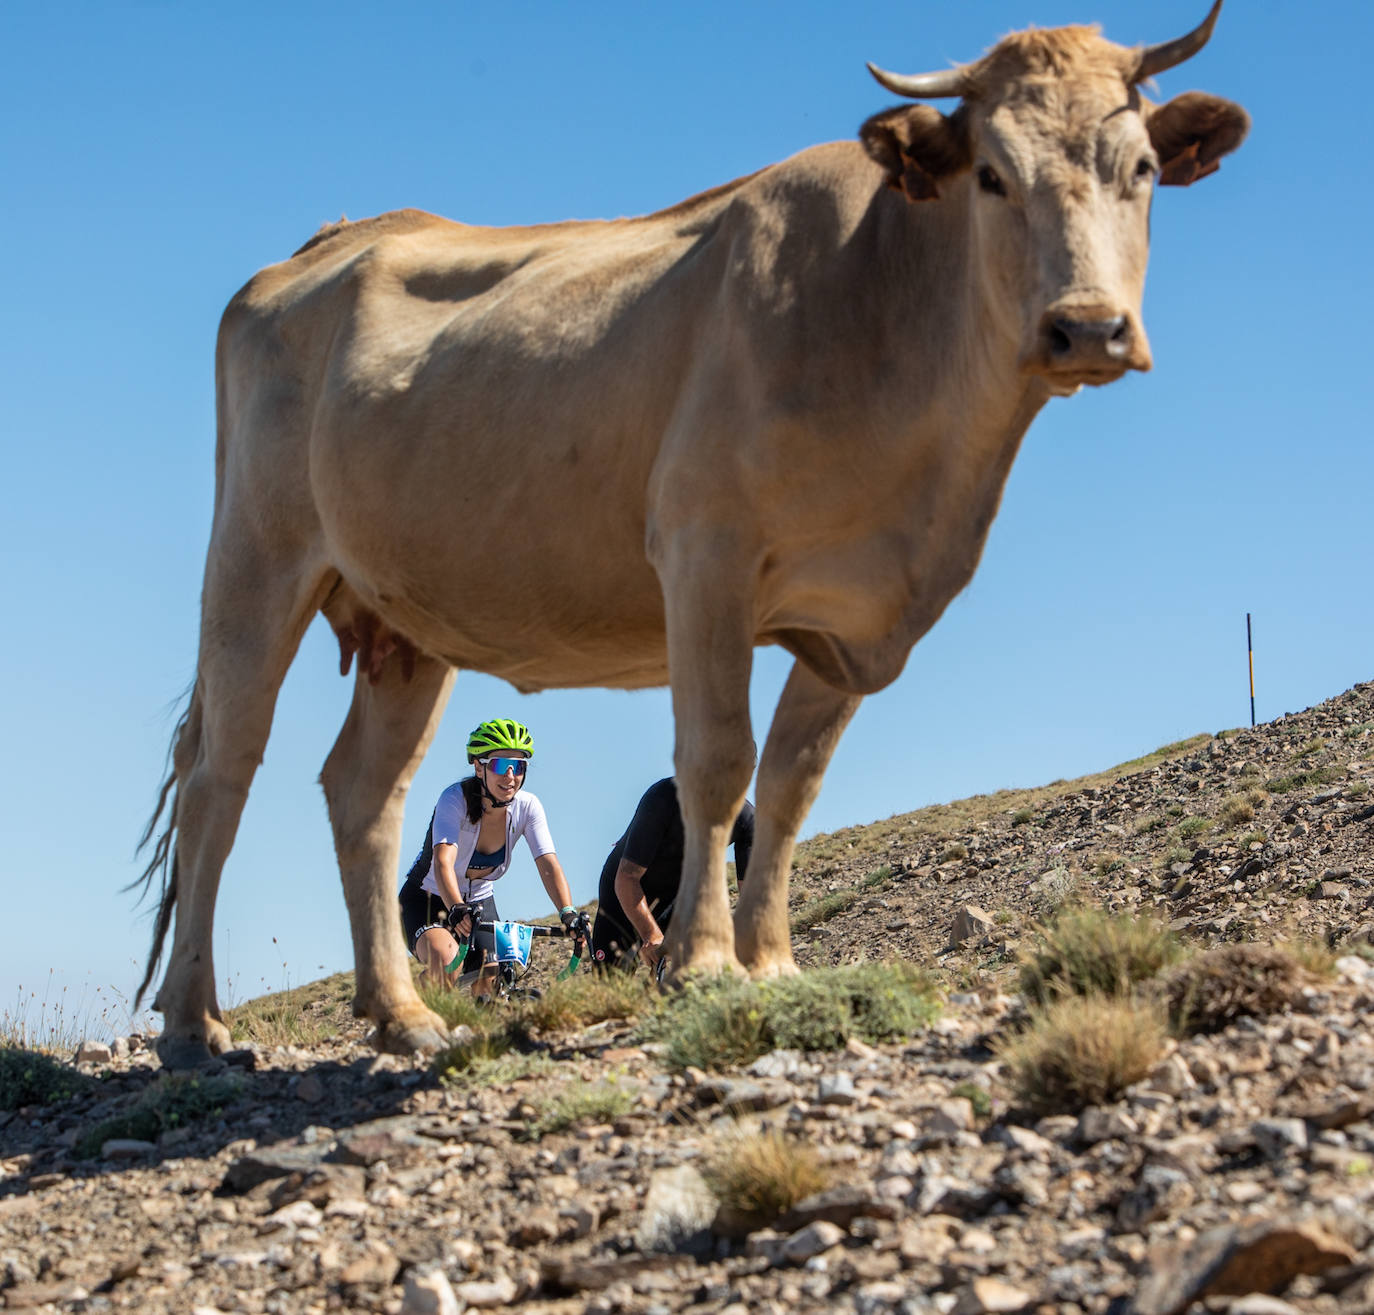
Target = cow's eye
(990,182)
(1144,169)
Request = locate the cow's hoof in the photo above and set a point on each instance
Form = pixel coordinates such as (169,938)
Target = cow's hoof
(193,1047)
(777,965)
(699,966)
(421,1030)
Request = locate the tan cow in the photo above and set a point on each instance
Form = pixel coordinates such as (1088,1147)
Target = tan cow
(781,412)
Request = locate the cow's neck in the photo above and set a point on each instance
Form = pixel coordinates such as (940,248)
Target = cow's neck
(968,378)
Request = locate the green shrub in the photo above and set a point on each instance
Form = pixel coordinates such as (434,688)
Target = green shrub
(730,1020)
(816,911)
(1304,780)
(955,851)
(1082,1050)
(1022,816)
(976,1096)
(173,1101)
(28,1077)
(1086,950)
(878,877)
(1192,826)
(582,1103)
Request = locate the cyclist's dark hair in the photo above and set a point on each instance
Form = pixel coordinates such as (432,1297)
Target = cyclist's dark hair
(472,796)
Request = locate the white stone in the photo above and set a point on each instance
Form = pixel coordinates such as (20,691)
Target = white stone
(486,1293)
(812,1241)
(299,1214)
(1099,1123)
(428,1292)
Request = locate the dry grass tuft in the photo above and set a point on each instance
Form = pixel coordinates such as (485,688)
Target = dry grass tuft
(1086,950)
(758,1176)
(1236,811)
(590,998)
(1082,1050)
(1212,989)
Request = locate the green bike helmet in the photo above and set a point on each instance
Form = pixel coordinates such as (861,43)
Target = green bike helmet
(498,734)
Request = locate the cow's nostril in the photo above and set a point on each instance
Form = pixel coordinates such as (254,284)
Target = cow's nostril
(1061,341)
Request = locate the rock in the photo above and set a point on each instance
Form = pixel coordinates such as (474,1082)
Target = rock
(1279,1137)
(1236,1260)
(310,1089)
(1029,1143)
(737,1094)
(486,1294)
(428,1292)
(94,1052)
(776,1064)
(836,1089)
(376,1267)
(322,1186)
(949,1117)
(1256,1304)
(539,1226)
(1099,1123)
(126,1148)
(970,922)
(299,1214)
(1161,1192)
(262,1165)
(840,1206)
(812,1241)
(391,1140)
(678,1212)
(987,1295)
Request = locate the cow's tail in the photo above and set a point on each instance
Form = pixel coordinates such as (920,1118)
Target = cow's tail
(162,862)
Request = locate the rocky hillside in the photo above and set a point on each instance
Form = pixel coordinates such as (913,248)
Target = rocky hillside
(1236,1174)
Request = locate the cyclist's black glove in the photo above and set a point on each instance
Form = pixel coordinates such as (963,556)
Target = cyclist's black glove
(578,924)
(456,914)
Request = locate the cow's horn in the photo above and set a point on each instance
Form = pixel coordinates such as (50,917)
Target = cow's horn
(922,86)
(1155,59)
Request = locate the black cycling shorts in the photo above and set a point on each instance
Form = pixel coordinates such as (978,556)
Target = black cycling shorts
(421,912)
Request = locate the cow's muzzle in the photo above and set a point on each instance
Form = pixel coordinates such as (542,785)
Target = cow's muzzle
(1087,345)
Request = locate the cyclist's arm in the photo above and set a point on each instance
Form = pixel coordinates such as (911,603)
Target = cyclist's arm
(555,883)
(629,890)
(445,877)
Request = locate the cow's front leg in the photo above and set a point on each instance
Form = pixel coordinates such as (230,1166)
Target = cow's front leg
(708,605)
(807,725)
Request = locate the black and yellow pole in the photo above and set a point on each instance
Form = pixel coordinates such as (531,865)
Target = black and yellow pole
(1250,651)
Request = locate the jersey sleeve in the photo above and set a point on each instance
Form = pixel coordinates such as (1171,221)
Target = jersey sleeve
(449,815)
(536,828)
(651,822)
(742,837)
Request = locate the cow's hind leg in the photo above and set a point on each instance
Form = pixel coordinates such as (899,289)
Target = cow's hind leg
(255,608)
(365,779)
(807,725)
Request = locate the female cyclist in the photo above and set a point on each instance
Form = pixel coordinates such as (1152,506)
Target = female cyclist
(468,848)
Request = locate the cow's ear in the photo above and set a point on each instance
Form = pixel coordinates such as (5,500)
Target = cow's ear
(1192,132)
(918,147)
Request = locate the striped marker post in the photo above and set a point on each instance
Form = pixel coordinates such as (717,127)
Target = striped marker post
(1250,651)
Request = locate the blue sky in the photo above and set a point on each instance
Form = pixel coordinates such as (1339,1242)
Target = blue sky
(155,155)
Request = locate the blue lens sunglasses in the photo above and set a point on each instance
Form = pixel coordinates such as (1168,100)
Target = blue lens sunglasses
(503,765)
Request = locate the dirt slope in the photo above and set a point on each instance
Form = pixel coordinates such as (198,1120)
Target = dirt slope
(318,1177)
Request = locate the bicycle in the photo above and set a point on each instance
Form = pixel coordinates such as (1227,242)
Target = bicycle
(508,944)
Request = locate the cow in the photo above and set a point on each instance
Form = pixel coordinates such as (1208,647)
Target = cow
(780,412)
